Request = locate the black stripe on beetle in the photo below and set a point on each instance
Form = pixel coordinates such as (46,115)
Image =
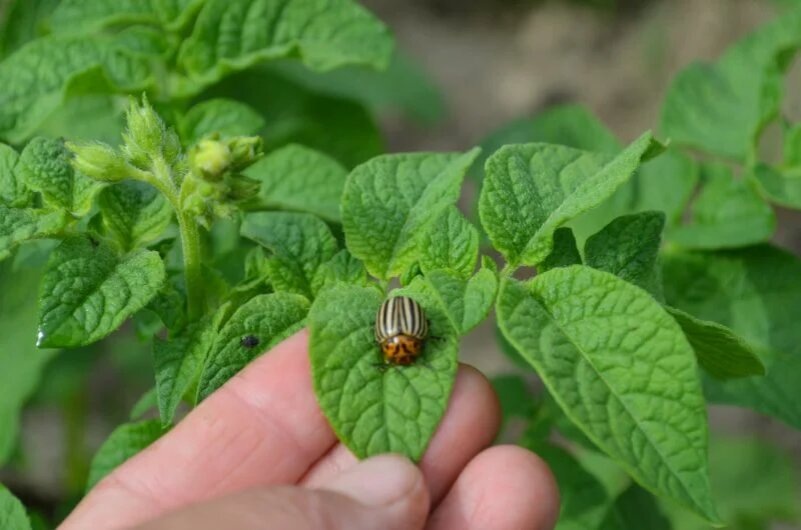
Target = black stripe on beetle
(401,328)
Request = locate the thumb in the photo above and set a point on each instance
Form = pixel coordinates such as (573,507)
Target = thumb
(385,492)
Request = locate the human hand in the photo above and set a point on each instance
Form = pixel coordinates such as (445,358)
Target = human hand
(258,453)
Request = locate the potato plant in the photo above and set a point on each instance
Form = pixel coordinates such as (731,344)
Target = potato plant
(176,164)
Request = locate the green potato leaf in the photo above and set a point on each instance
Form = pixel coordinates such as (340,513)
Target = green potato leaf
(88,291)
(634,509)
(375,408)
(13,191)
(530,190)
(220,115)
(12,512)
(300,179)
(570,125)
(123,443)
(143,405)
(622,371)
(35,79)
(391,200)
(236,34)
(727,213)
(267,320)
(720,351)
(23,21)
(133,213)
(341,268)
(19,225)
(450,243)
(628,247)
(178,362)
(564,252)
(300,243)
(782,187)
(722,107)
(755,292)
(73,16)
(464,302)
(44,166)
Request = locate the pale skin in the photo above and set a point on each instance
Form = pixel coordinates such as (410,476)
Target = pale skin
(258,454)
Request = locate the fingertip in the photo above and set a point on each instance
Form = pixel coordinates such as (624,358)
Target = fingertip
(504,487)
(390,485)
(469,425)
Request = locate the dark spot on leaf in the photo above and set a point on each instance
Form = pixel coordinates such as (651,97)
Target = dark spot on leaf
(249,342)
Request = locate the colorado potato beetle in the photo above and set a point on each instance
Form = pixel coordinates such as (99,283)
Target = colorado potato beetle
(401,328)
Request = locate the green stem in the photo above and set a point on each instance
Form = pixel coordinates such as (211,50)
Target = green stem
(190,245)
(190,240)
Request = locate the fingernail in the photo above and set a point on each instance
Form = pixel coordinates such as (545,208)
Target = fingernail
(378,481)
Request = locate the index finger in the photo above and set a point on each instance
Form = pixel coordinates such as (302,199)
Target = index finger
(262,427)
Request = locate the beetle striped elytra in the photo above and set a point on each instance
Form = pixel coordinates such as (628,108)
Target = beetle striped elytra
(401,328)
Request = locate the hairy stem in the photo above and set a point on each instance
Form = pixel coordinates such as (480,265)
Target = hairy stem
(190,246)
(190,240)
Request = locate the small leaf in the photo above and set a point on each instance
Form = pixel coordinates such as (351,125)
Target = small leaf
(722,107)
(341,268)
(450,243)
(564,253)
(12,512)
(530,190)
(37,77)
(634,509)
(782,189)
(134,213)
(301,179)
(236,34)
(727,213)
(407,193)
(268,319)
(465,303)
(621,370)
(628,247)
(375,408)
(299,243)
(756,293)
(226,117)
(20,225)
(87,291)
(44,165)
(719,350)
(178,362)
(124,442)
(143,405)
(13,192)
